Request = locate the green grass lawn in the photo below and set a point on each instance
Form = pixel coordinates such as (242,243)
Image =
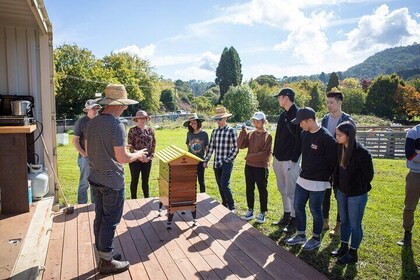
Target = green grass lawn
(379,256)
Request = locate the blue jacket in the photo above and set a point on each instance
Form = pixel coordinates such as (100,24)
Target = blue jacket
(344,117)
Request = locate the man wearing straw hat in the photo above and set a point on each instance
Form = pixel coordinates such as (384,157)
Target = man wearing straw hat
(107,152)
(91,109)
(223,142)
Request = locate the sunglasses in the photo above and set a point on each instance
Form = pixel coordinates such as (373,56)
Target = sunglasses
(218,119)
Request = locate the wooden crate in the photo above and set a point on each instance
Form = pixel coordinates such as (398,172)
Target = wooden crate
(177,181)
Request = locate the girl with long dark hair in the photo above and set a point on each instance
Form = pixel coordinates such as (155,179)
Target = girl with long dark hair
(197,142)
(352,179)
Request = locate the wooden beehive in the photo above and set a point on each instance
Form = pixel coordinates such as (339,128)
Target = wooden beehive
(177,181)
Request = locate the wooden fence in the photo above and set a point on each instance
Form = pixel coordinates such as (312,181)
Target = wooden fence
(383,144)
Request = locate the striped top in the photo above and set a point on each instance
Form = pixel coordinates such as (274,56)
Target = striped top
(223,143)
(103,133)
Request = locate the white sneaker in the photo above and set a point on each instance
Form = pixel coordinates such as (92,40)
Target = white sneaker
(249,215)
(295,240)
(261,218)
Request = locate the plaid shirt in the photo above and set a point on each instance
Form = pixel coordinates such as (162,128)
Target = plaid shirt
(223,142)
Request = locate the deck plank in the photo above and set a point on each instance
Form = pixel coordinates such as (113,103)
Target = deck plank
(55,249)
(69,267)
(86,260)
(221,246)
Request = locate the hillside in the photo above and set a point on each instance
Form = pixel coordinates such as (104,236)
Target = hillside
(387,62)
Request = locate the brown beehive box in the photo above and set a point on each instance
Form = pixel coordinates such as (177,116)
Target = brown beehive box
(177,180)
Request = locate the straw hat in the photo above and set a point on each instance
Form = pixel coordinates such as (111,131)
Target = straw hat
(192,118)
(221,113)
(140,114)
(116,95)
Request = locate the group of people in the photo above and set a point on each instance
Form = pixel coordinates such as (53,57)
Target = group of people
(309,161)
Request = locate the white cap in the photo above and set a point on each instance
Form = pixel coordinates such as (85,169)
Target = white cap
(258,116)
(90,104)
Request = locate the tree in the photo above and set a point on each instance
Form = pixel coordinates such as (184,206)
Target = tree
(381,94)
(203,105)
(350,83)
(316,102)
(354,100)
(323,78)
(266,102)
(365,83)
(333,82)
(408,102)
(213,94)
(241,102)
(228,72)
(167,97)
(269,80)
(78,76)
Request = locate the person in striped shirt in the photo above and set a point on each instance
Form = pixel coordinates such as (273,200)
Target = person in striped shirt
(223,143)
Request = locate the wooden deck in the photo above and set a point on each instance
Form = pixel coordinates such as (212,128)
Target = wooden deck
(221,246)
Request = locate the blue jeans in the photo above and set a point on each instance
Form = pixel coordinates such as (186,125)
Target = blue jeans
(109,205)
(82,196)
(222,175)
(315,205)
(351,209)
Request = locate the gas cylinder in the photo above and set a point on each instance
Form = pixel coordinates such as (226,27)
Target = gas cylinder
(39,181)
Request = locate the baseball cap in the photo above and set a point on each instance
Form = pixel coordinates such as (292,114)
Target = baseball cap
(286,92)
(258,116)
(304,114)
(90,104)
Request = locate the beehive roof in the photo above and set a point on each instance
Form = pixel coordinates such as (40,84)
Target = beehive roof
(172,153)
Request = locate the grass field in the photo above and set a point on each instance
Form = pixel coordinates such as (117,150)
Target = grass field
(379,256)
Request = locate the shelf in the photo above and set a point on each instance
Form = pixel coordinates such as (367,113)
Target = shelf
(17,129)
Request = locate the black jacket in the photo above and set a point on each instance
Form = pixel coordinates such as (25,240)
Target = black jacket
(287,142)
(319,155)
(359,173)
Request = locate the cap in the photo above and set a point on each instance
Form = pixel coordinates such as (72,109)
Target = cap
(304,114)
(258,116)
(286,92)
(90,104)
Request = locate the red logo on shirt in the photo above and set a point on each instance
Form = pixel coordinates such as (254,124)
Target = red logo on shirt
(314,146)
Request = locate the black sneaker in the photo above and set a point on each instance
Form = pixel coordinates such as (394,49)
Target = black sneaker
(291,226)
(112,266)
(406,241)
(284,221)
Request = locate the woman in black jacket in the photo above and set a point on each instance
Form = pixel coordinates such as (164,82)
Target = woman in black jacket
(352,179)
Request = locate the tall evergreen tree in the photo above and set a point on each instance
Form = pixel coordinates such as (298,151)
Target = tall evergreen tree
(228,72)
(333,81)
(323,77)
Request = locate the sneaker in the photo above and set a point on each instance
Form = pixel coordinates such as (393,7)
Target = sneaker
(283,221)
(116,256)
(249,215)
(296,239)
(261,218)
(233,211)
(291,226)
(311,244)
(406,241)
(112,266)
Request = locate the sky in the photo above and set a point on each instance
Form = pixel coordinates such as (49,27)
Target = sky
(184,39)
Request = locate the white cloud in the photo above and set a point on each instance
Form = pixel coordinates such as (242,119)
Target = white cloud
(195,73)
(383,29)
(203,68)
(146,53)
